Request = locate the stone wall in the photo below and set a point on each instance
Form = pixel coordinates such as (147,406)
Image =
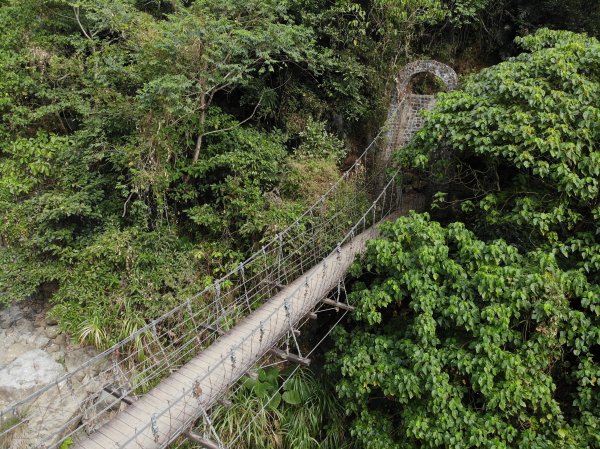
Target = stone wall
(404,115)
(442,71)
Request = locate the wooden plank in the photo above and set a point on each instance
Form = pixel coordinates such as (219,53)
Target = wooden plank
(175,394)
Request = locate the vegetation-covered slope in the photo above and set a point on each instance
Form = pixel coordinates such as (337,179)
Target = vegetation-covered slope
(147,146)
(489,339)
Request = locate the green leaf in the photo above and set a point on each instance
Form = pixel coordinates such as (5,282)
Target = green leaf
(291,397)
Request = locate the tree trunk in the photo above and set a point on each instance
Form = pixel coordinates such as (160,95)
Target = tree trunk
(201,128)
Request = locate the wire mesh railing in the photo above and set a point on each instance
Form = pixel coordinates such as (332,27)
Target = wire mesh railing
(81,401)
(196,387)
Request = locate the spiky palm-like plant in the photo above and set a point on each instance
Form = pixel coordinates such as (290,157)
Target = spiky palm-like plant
(289,409)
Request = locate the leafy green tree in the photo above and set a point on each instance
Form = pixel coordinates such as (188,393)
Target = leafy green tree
(518,149)
(218,46)
(233,175)
(460,343)
(138,133)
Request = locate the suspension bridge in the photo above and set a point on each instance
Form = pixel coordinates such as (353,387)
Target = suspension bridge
(153,388)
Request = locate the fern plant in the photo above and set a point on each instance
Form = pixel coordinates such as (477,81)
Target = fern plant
(282,409)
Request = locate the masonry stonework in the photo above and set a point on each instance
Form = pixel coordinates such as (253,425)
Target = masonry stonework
(404,115)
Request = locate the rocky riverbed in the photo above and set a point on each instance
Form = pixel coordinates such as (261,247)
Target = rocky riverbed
(34,353)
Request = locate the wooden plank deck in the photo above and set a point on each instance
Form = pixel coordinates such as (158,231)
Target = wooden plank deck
(167,410)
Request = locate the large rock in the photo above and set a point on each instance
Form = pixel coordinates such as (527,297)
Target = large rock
(28,372)
(102,408)
(10,353)
(77,357)
(48,419)
(55,414)
(10,315)
(25,368)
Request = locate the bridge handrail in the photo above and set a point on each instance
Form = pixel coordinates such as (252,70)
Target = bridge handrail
(12,408)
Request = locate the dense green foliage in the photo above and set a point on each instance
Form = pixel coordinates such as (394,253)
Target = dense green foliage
(149,146)
(523,146)
(125,122)
(489,336)
(461,343)
(129,171)
(143,129)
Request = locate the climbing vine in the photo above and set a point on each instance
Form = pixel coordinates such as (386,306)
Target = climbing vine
(517,152)
(461,343)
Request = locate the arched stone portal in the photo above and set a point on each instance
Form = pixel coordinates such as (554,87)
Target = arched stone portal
(409,71)
(404,115)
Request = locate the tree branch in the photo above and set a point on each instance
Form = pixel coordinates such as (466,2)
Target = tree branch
(216,131)
(76,10)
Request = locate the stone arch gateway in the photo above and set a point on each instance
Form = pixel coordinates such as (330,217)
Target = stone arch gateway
(442,71)
(404,115)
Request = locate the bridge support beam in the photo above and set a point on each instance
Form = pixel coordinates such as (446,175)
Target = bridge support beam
(118,394)
(337,304)
(208,444)
(289,357)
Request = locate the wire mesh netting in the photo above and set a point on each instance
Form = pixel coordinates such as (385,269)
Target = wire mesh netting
(205,344)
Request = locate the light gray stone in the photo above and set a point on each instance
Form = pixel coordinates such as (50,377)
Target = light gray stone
(65,417)
(29,371)
(11,352)
(8,340)
(99,410)
(52,348)
(41,341)
(29,338)
(52,332)
(92,384)
(77,357)
(25,368)
(24,326)
(59,356)
(106,401)
(10,315)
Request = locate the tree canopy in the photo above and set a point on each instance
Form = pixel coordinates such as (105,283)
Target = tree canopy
(147,146)
(130,174)
(522,141)
(486,334)
(461,343)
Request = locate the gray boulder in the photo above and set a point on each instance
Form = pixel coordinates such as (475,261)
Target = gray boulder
(29,371)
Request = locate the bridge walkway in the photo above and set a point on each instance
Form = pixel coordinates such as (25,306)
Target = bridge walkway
(173,405)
